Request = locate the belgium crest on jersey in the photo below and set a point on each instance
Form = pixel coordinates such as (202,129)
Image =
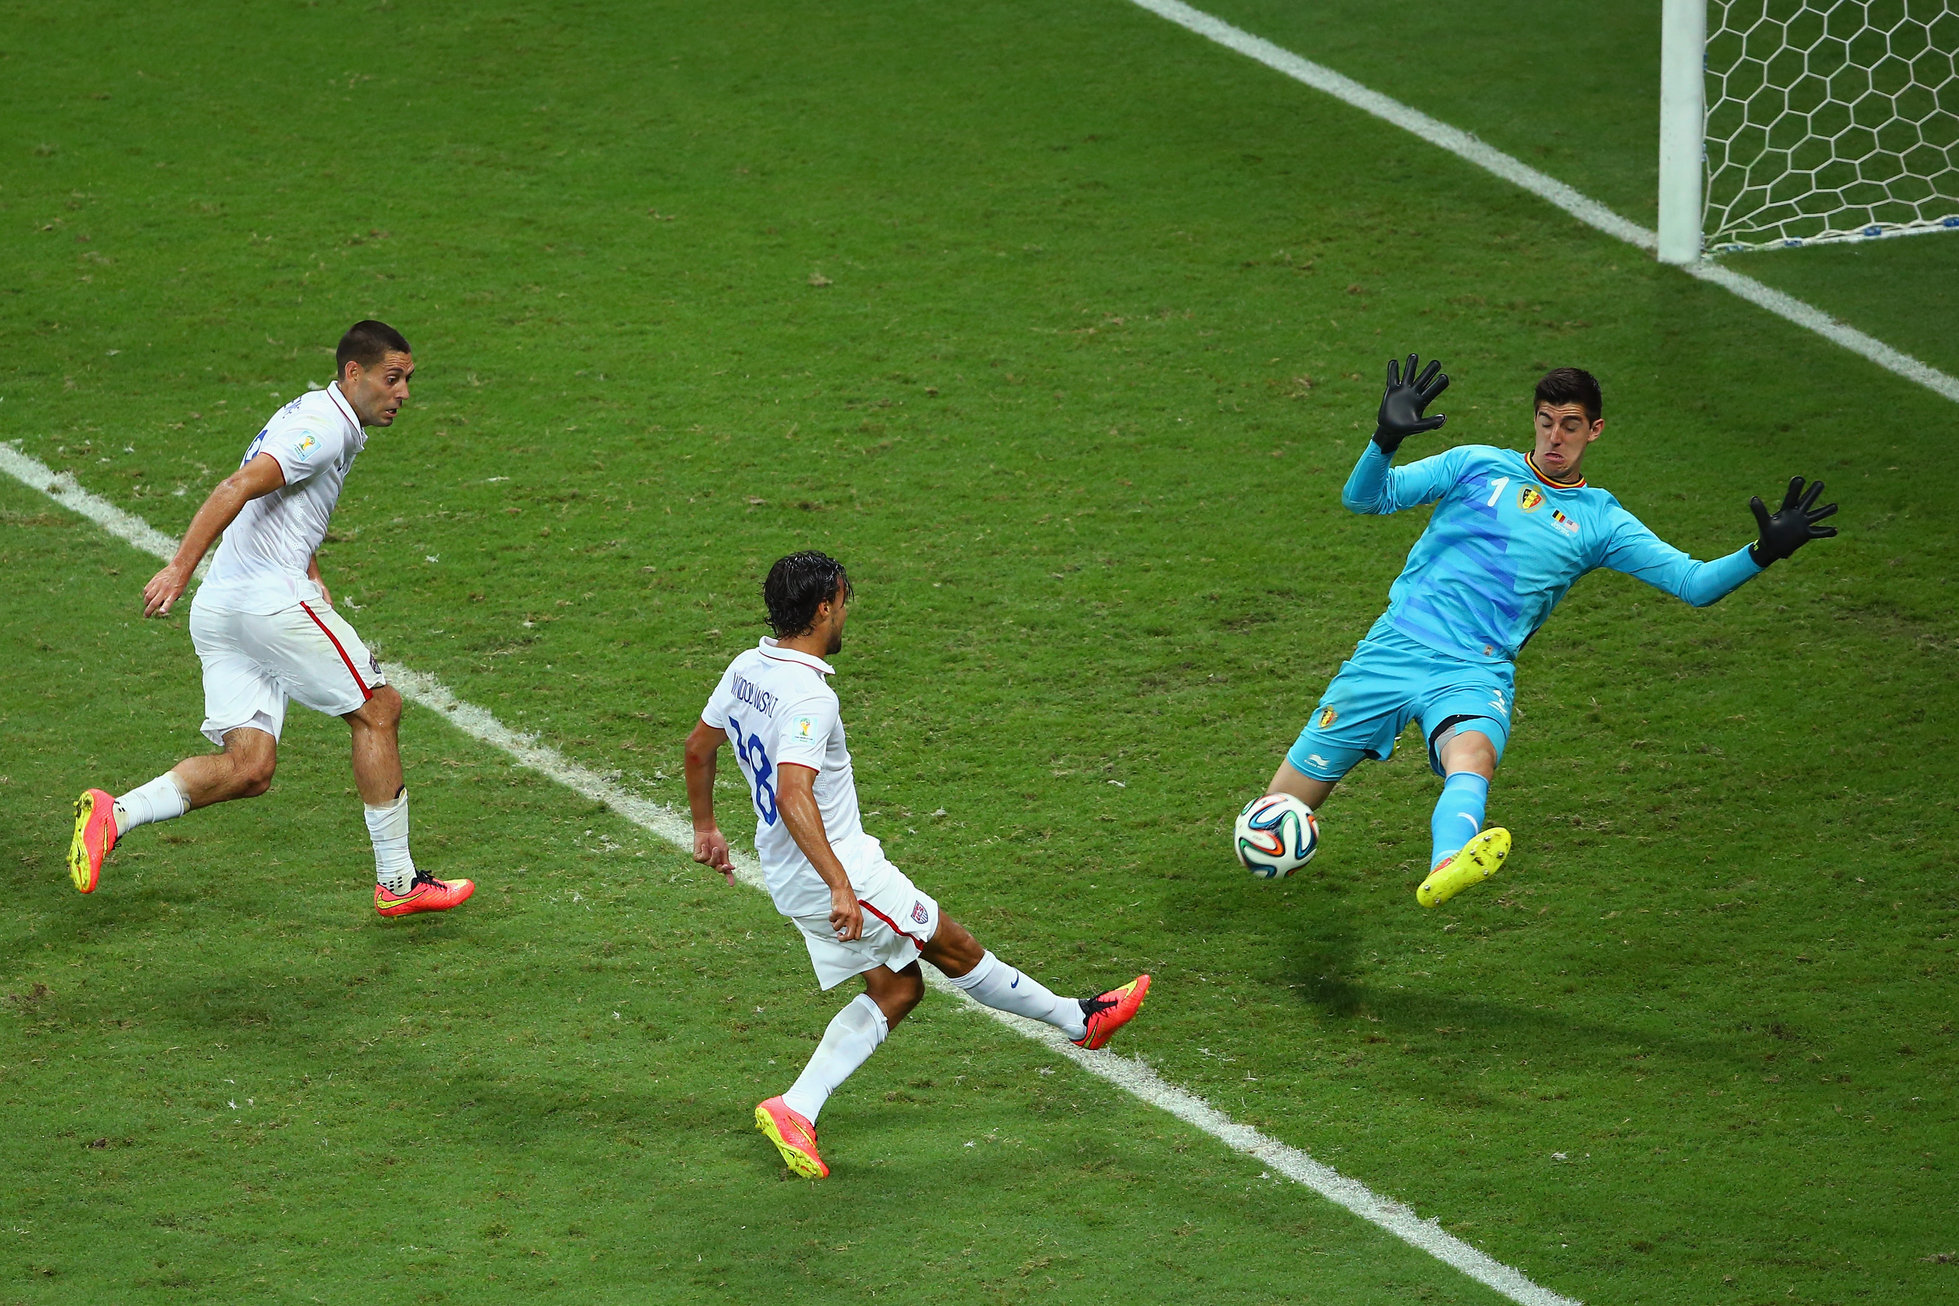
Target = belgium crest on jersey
(1530,498)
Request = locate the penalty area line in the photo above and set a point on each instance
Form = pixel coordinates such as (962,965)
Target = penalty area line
(1589,211)
(1130,1074)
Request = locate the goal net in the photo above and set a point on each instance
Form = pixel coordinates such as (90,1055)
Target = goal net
(1829,120)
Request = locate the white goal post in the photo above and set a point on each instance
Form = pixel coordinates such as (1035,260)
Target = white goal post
(1794,122)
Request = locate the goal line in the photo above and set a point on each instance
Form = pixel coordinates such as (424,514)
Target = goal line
(1586,209)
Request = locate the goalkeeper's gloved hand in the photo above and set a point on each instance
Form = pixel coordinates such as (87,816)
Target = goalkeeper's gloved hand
(1792,526)
(1402,404)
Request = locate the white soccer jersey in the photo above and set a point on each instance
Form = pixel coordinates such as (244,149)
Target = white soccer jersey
(777,707)
(261,564)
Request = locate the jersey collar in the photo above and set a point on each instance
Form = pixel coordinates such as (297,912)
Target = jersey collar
(1578,484)
(340,401)
(358,439)
(770,649)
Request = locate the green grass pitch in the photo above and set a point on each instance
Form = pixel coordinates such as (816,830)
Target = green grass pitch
(1062,328)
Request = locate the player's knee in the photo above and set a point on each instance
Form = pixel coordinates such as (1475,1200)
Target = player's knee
(251,773)
(1308,789)
(1473,750)
(383,710)
(895,992)
(953,948)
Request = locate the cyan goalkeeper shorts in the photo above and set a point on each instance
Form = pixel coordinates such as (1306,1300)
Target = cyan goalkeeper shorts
(1388,682)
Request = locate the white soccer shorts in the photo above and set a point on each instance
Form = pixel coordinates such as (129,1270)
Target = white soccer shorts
(899,920)
(254,663)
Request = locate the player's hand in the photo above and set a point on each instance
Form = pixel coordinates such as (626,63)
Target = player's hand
(711,849)
(1404,399)
(846,917)
(1793,524)
(164,589)
(326,595)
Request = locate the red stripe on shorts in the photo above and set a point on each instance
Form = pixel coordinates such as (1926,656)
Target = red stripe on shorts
(366,693)
(893,924)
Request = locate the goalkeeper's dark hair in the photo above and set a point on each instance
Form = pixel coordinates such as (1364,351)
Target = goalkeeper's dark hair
(797,585)
(1571,385)
(367,343)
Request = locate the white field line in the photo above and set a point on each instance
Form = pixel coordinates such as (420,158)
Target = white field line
(1131,1074)
(1587,210)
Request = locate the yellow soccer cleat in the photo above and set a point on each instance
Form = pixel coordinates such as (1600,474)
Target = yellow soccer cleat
(1478,860)
(95,835)
(793,1136)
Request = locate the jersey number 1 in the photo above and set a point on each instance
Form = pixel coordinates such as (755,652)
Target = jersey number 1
(1496,491)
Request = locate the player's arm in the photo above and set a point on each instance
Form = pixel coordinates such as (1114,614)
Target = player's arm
(795,799)
(313,574)
(703,753)
(1639,553)
(1377,487)
(259,477)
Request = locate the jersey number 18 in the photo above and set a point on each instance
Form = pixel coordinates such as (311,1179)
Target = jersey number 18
(755,760)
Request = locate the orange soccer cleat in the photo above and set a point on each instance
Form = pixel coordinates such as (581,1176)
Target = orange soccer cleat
(1112,1011)
(95,835)
(425,893)
(793,1136)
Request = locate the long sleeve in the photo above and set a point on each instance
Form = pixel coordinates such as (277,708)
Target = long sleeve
(1376,486)
(1639,553)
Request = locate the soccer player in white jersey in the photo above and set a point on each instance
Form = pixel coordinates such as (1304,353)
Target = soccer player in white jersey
(858,913)
(265,629)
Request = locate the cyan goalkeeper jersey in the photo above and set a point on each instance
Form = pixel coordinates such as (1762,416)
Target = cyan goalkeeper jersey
(1504,545)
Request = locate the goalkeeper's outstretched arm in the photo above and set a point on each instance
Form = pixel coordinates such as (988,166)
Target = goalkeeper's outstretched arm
(1638,552)
(1408,392)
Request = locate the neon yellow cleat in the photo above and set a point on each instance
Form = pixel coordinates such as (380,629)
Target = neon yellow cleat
(1477,861)
(793,1136)
(95,835)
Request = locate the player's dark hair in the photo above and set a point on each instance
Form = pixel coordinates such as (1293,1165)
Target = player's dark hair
(367,343)
(797,585)
(1570,385)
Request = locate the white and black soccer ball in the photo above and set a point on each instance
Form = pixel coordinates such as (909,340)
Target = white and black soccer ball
(1276,835)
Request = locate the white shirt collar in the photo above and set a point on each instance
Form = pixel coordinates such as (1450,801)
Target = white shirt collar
(770,649)
(357,439)
(340,401)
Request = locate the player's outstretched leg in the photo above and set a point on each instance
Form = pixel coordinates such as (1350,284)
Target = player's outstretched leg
(1463,853)
(1088,1022)
(243,770)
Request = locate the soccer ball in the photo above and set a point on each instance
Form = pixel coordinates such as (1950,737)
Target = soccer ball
(1276,835)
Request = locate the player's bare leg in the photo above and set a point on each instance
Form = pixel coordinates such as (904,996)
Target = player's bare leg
(1289,779)
(243,770)
(1464,853)
(399,888)
(377,746)
(1088,1022)
(895,992)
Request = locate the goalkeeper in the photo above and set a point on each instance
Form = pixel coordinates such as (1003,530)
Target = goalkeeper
(1509,534)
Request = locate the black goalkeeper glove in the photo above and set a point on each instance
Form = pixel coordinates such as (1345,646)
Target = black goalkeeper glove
(1402,403)
(1792,526)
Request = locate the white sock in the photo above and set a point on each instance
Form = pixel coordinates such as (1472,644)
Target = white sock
(853,1035)
(162,799)
(998,985)
(387,826)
